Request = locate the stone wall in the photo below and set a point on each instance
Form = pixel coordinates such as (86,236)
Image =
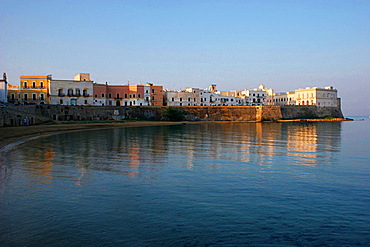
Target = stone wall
(35,114)
(309,111)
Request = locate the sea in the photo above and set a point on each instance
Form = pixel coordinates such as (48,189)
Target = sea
(196,184)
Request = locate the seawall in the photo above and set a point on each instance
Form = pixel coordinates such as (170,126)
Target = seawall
(35,114)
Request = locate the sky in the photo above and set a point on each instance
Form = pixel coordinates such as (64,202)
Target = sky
(284,45)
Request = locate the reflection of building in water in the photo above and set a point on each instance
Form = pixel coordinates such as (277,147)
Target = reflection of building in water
(134,157)
(302,141)
(311,142)
(42,169)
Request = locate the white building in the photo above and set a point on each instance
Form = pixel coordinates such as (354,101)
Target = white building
(187,97)
(287,98)
(199,97)
(256,96)
(72,92)
(322,97)
(4,89)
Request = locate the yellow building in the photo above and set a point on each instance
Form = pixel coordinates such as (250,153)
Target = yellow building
(32,90)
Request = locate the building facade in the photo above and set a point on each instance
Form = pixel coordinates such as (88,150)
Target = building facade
(32,90)
(4,89)
(78,91)
(322,97)
(128,95)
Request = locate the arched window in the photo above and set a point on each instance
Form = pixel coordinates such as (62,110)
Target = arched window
(33,84)
(42,84)
(25,84)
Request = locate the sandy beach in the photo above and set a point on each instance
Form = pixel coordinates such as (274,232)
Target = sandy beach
(9,135)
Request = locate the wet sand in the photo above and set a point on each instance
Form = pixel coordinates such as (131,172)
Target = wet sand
(13,135)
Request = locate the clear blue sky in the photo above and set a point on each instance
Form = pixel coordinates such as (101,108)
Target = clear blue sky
(285,45)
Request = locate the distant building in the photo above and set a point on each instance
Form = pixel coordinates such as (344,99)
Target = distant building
(322,97)
(32,90)
(287,98)
(128,95)
(199,97)
(78,91)
(4,89)
(256,96)
(187,97)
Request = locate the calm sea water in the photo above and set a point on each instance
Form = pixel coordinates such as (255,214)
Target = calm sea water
(213,184)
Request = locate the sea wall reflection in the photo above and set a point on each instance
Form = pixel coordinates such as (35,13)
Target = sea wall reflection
(145,152)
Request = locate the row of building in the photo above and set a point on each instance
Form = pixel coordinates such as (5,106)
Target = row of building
(83,91)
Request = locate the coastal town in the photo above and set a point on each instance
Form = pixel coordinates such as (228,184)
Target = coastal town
(83,91)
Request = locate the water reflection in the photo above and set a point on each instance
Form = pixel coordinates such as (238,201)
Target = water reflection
(140,152)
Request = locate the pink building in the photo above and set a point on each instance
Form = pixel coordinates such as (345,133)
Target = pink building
(128,95)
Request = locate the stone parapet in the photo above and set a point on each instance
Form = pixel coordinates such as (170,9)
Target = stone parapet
(35,114)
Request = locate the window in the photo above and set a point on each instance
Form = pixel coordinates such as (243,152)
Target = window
(180,104)
(188,99)
(60,92)
(153,98)
(85,101)
(117,95)
(138,95)
(25,96)
(19,96)
(33,84)
(173,99)
(147,91)
(33,96)
(102,95)
(42,84)
(134,95)
(125,95)
(70,92)
(146,98)
(25,84)
(152,90)
(12,96)
(180,99)
(85,94)
(110,96)
(42,96)
(61,102)
(78,92)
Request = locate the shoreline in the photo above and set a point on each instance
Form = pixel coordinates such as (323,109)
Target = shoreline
(316,120)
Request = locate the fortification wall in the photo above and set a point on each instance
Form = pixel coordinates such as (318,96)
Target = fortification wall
(310,111)
(34,114)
